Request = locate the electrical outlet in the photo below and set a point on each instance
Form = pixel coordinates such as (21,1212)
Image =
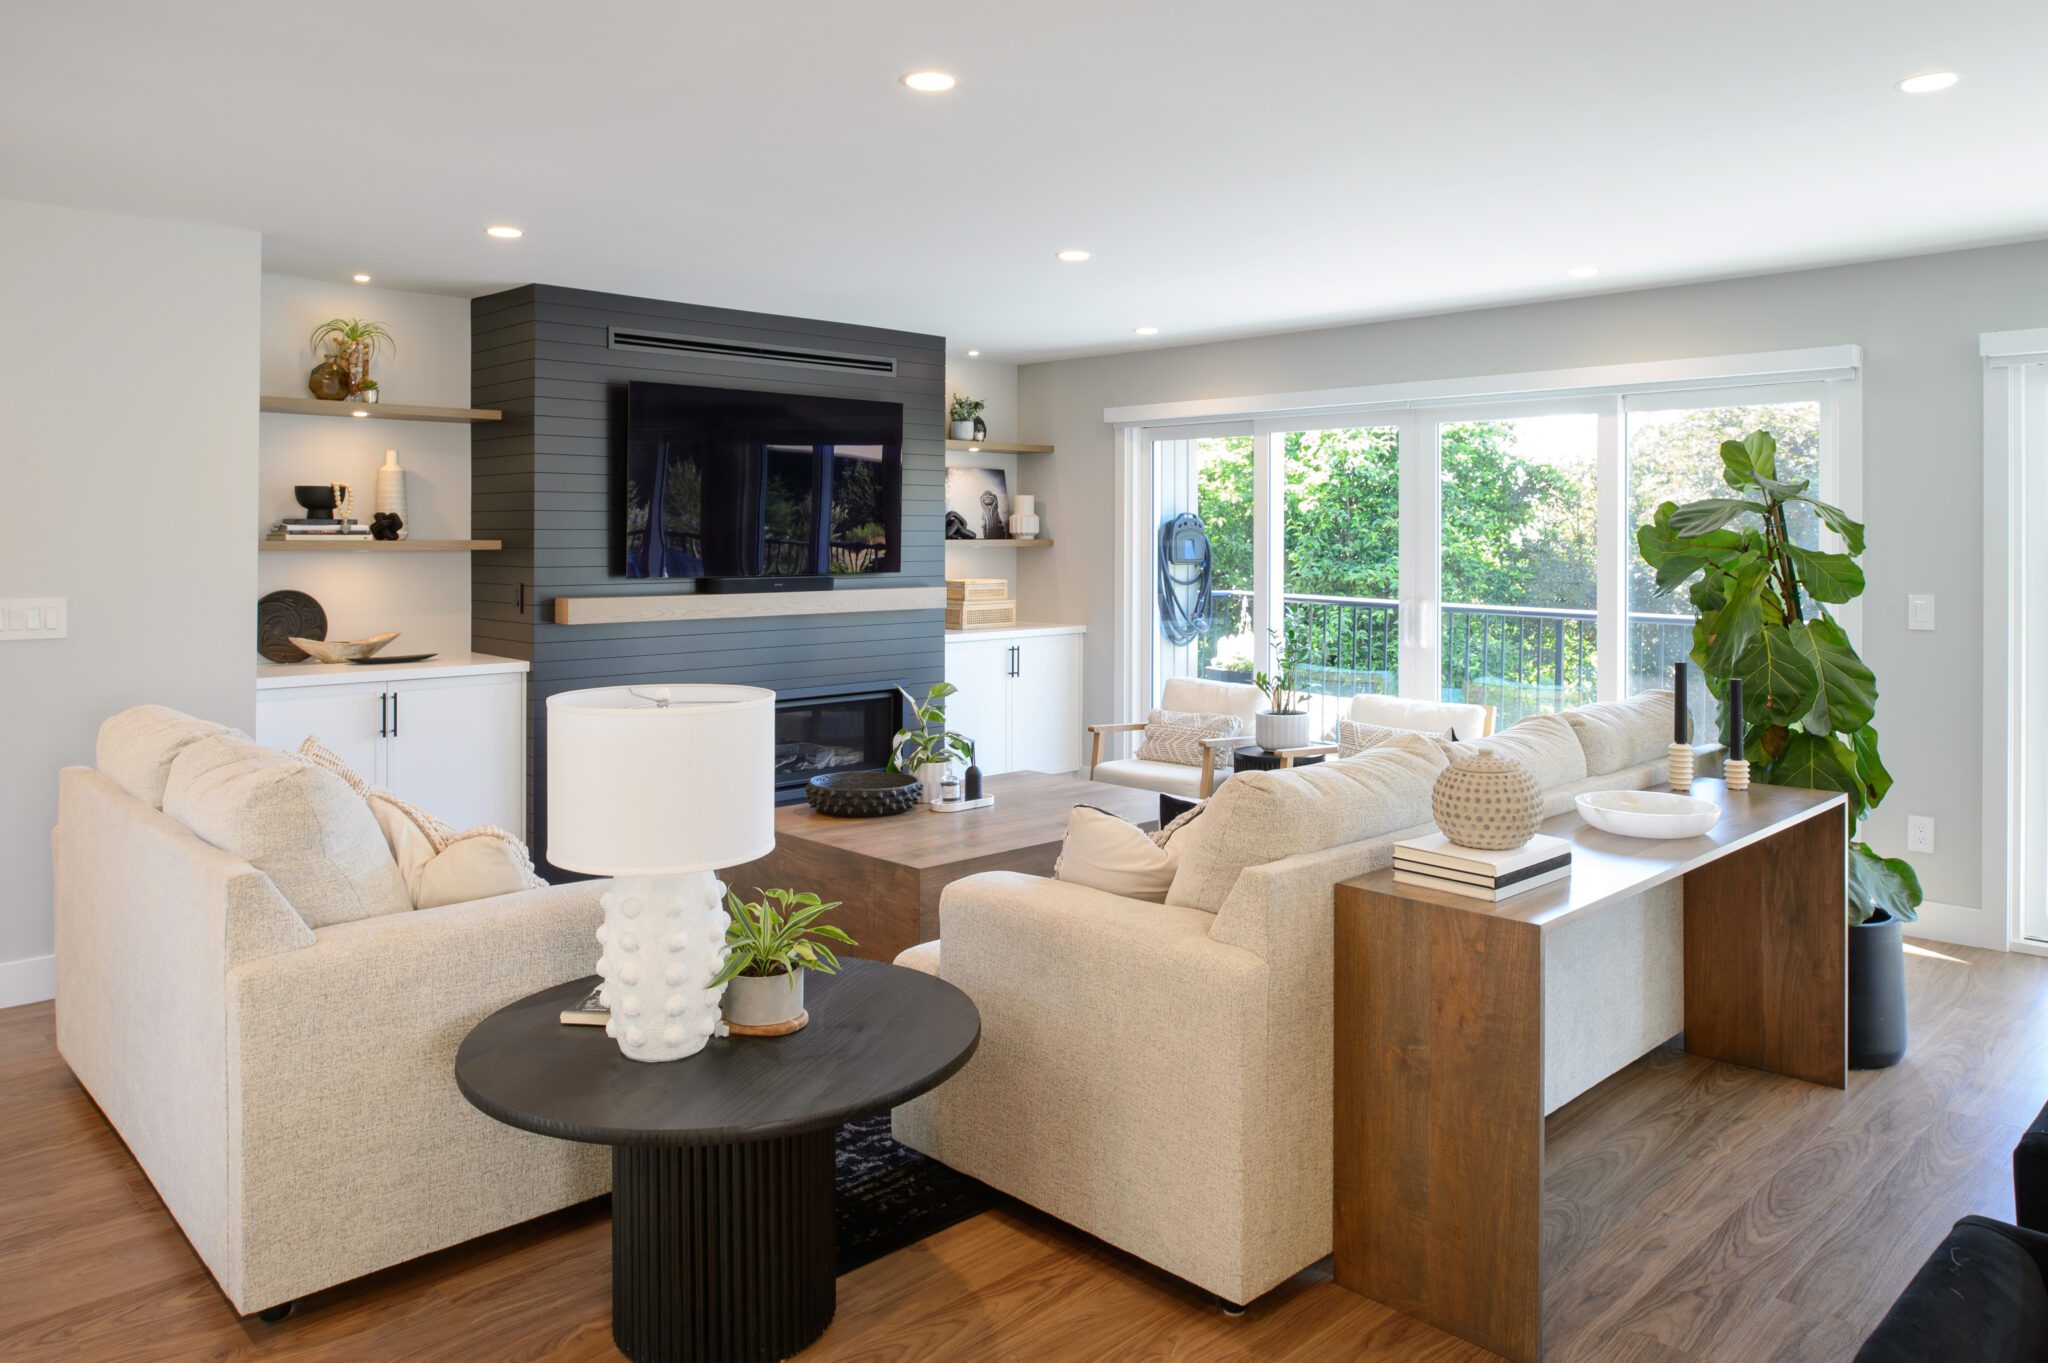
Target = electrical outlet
(1919,833)
(24,619)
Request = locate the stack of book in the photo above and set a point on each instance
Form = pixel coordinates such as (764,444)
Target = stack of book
(1437,863)
(979,603)
(308,527)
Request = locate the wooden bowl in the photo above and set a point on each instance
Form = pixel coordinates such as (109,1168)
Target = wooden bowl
(341,650)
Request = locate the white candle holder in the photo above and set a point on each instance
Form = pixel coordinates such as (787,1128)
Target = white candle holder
(1681,766)
(1736,770)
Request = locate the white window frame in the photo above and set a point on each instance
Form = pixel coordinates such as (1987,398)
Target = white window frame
(1833,374)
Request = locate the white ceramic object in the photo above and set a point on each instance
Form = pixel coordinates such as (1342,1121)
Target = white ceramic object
(1024,517)
(391,492)
(764,1000)
(933,774)
(961,430)
(1274,732)
(664,942)
(1648,813)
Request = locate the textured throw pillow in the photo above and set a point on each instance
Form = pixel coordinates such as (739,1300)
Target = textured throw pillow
(1623,733)
(298,824)
(136,748)
(1354,736)
(1115,856)
(440,865)
(1176,736)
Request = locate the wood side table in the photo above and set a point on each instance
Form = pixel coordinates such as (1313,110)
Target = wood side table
(888,872)
(724,1247)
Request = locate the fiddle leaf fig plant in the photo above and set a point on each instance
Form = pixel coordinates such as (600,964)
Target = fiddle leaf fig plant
(1762,600)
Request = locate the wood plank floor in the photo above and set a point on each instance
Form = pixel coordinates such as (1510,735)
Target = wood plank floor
(1694,1211)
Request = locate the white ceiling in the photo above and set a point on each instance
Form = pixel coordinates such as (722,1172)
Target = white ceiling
(1234,167)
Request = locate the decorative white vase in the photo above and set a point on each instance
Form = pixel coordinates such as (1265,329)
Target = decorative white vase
(1275,731)
(391,492)
(961,430)
(764,1000)
(1024,517)
(932,774)
(664,942)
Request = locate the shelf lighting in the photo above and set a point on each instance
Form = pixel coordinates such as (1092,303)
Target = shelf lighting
(503,233)
(1928,83)
(929,82)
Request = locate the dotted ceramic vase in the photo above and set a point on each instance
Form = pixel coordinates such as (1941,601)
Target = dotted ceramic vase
(1487,802)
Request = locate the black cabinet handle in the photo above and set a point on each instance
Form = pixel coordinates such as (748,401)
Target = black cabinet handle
(394,714)
(383,714)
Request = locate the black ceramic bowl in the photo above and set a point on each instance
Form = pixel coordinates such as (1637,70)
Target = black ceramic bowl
(864,794)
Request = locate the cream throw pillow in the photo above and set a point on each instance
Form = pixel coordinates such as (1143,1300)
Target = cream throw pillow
(440,865)
(1545,744)
(1623,733)
(1115,856)
(1354,736)
(1176,736)
(301,826)
(135,748)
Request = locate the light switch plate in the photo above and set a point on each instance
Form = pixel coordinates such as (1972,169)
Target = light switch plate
(1920,610)
(29,618)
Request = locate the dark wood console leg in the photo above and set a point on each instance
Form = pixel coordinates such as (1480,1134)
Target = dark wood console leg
(722,1253)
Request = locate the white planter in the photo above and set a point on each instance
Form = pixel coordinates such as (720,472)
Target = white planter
(962,430)
(931,774)
(764,1000)
(391,492)
(1275,732)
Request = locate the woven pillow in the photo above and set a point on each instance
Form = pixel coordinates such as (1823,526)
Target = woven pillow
(1176,736)
(1354,736)
(440,865)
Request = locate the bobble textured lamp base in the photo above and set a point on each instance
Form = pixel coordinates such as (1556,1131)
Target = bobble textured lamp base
(663,938)
(1681,767)
(1737,773)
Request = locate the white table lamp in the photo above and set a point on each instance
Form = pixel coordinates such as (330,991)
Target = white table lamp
(659,786)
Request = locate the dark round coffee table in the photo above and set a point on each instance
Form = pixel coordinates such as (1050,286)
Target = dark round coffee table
(723,1241)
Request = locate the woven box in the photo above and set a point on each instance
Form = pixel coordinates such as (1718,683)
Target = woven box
(977,589)
(980,614)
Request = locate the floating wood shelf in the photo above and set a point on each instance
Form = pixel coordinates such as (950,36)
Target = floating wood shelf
(634,610)
(356,544)
(987,447)
(379,411)
(1040,543)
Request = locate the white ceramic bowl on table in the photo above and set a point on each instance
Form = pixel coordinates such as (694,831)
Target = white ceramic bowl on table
(1648,813)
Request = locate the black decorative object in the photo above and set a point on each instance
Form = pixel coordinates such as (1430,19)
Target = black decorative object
(1877,993)
(970,784)
(864,794)
(1681,723)
(318,498)
(1256,758)
(980,431)
(281,616)
(956,527)
(385,525)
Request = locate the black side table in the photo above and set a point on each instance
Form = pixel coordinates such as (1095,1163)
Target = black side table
(1255,758)
(723,1243)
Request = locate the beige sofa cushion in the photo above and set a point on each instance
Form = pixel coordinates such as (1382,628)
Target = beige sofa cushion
(136,748)
(1168,778)
(1623,733)
(1545,744)
(298,824)
(1115,856)
(1261,816)
(442,866)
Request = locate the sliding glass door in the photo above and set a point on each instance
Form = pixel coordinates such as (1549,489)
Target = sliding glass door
(1340,560)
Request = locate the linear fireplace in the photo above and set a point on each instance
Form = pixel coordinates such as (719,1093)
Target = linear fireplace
(826,731)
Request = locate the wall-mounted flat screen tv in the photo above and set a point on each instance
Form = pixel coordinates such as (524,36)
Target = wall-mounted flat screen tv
(722,483)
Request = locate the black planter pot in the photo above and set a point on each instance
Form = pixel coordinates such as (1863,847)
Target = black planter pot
(1877,994)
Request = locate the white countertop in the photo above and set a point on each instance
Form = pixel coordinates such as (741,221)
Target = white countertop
(1020,630)
(458,664)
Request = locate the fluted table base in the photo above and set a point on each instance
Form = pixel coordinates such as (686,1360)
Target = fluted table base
(723,1253)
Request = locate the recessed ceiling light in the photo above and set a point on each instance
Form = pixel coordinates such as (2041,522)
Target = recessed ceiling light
(974,354)
(1073,255)
(930,82)
(362,279)
(1148,331)
(1582,272)
(503,233)
(359,412)
(1928,82)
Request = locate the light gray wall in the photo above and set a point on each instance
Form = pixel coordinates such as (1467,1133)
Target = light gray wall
(127,485)
(1917,320)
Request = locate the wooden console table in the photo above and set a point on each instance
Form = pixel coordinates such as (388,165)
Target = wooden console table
(1439,1039)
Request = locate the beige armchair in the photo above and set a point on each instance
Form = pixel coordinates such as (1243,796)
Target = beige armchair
(1171,778)
(1468,722)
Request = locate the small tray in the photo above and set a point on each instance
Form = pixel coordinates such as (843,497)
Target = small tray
(962,806)
(392,658)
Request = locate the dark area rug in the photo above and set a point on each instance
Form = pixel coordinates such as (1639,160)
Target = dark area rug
(891,1196)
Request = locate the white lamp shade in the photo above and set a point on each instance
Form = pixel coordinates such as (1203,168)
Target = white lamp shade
(637,787)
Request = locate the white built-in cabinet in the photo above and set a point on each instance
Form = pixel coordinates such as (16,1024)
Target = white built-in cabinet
(450,740)
(1019,697)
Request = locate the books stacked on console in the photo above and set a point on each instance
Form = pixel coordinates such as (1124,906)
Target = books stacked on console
(1437,863)
(308,527)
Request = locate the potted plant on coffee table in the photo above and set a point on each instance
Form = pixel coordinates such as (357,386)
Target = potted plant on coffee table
(770,945)
(929,749)
(1284,723)
(1763,599)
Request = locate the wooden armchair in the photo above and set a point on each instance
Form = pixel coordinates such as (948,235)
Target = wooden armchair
(1188,694)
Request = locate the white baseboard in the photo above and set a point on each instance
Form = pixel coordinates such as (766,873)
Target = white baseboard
(1958,924)
(27,981)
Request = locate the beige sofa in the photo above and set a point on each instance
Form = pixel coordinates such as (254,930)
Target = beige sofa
(290,1091)
(1159,1074)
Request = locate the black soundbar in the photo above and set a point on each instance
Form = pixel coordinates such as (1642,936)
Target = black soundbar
(724,586)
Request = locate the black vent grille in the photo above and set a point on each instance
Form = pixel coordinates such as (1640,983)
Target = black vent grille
(668,343)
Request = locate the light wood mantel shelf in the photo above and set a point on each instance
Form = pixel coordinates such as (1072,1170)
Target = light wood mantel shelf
(635,610)
(999,544)
(355,544)
(377,411)
(994,447)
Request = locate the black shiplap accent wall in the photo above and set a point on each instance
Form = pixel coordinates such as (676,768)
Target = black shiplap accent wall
(547,480)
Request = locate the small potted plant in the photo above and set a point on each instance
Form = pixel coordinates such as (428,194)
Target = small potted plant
(355,344)
(965,414)
(1284,723)
(769,946)
(928,751)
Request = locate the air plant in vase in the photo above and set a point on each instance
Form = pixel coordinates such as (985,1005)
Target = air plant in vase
(965,416)
(355,343)
(1284,723)
(929,749)
(769,946)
